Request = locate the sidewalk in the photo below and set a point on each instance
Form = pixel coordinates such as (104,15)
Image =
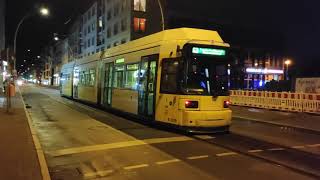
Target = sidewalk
(18,155)
(297,120)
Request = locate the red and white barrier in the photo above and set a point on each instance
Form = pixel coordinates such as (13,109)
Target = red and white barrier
(284,101)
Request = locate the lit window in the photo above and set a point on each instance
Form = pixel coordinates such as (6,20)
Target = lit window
(139,24)
(140,5)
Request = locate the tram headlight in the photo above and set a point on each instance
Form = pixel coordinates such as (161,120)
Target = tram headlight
(192,104)
(226,104)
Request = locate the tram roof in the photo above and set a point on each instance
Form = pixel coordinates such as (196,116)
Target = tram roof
(174,35)
(180,34)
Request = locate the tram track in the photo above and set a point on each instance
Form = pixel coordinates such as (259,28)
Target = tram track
(291,158)
(294,159)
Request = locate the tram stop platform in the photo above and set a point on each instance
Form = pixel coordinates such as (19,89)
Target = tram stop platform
(19,157)
(304,121)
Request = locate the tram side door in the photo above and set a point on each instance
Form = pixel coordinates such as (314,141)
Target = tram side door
(107,88)
(147,85)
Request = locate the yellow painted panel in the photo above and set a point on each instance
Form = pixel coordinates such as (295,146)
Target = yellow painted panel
(125,100)
(87,93)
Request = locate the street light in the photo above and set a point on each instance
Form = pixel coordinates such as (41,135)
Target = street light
(287,63)
(162,15)
(44,12)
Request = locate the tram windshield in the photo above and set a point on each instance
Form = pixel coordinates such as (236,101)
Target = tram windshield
(206,75)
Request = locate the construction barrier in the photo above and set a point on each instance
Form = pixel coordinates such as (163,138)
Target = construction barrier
(284,101)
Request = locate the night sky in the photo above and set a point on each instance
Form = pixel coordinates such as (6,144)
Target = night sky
(289,26)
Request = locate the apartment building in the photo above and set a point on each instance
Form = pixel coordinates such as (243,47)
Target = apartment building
(109,23)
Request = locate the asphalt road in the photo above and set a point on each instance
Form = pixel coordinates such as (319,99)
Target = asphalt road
(81,142)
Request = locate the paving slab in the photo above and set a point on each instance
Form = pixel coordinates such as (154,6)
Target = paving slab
(18,155)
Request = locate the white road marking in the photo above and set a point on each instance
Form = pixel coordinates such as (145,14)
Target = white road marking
(168,161)
(276,149)
(136,166)
(98,173)
(197,157)
(226,154)
(313,145)
(204,137)
(298,147)
(255,151)
(125,144)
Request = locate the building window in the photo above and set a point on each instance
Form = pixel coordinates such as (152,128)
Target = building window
(108,32)
(124,24)
(115,29)
(140,5)
(93,12)
(109,15)
(116,10)
(139,24)
(123,5)
(93,41)
(93,26)
(89,29)
(89,43)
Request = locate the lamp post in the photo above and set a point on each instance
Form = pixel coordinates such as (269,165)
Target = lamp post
(287,63)
(162,15)
(44,12)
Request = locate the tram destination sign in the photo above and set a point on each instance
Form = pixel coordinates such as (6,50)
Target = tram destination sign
(209,51)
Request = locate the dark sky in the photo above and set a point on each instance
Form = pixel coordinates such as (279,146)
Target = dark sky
(292,25)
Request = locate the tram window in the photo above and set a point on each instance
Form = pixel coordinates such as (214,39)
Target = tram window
(92,77)
(87,78)
(131,80)
(118,77)
(82,78)
(169,76)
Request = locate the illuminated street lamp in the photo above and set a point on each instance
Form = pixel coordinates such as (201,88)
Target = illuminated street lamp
(43,12)
(287,63)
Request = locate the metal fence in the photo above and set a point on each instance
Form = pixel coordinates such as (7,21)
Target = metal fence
(284,101)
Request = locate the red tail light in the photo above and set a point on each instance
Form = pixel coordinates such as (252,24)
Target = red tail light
(226,104)
(191,104)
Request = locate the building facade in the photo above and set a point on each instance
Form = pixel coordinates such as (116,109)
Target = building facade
(2,25)
(109,23)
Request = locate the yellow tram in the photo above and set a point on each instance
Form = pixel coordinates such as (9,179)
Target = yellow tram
(178,77)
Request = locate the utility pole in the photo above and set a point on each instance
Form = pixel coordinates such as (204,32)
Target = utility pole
(8,79)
